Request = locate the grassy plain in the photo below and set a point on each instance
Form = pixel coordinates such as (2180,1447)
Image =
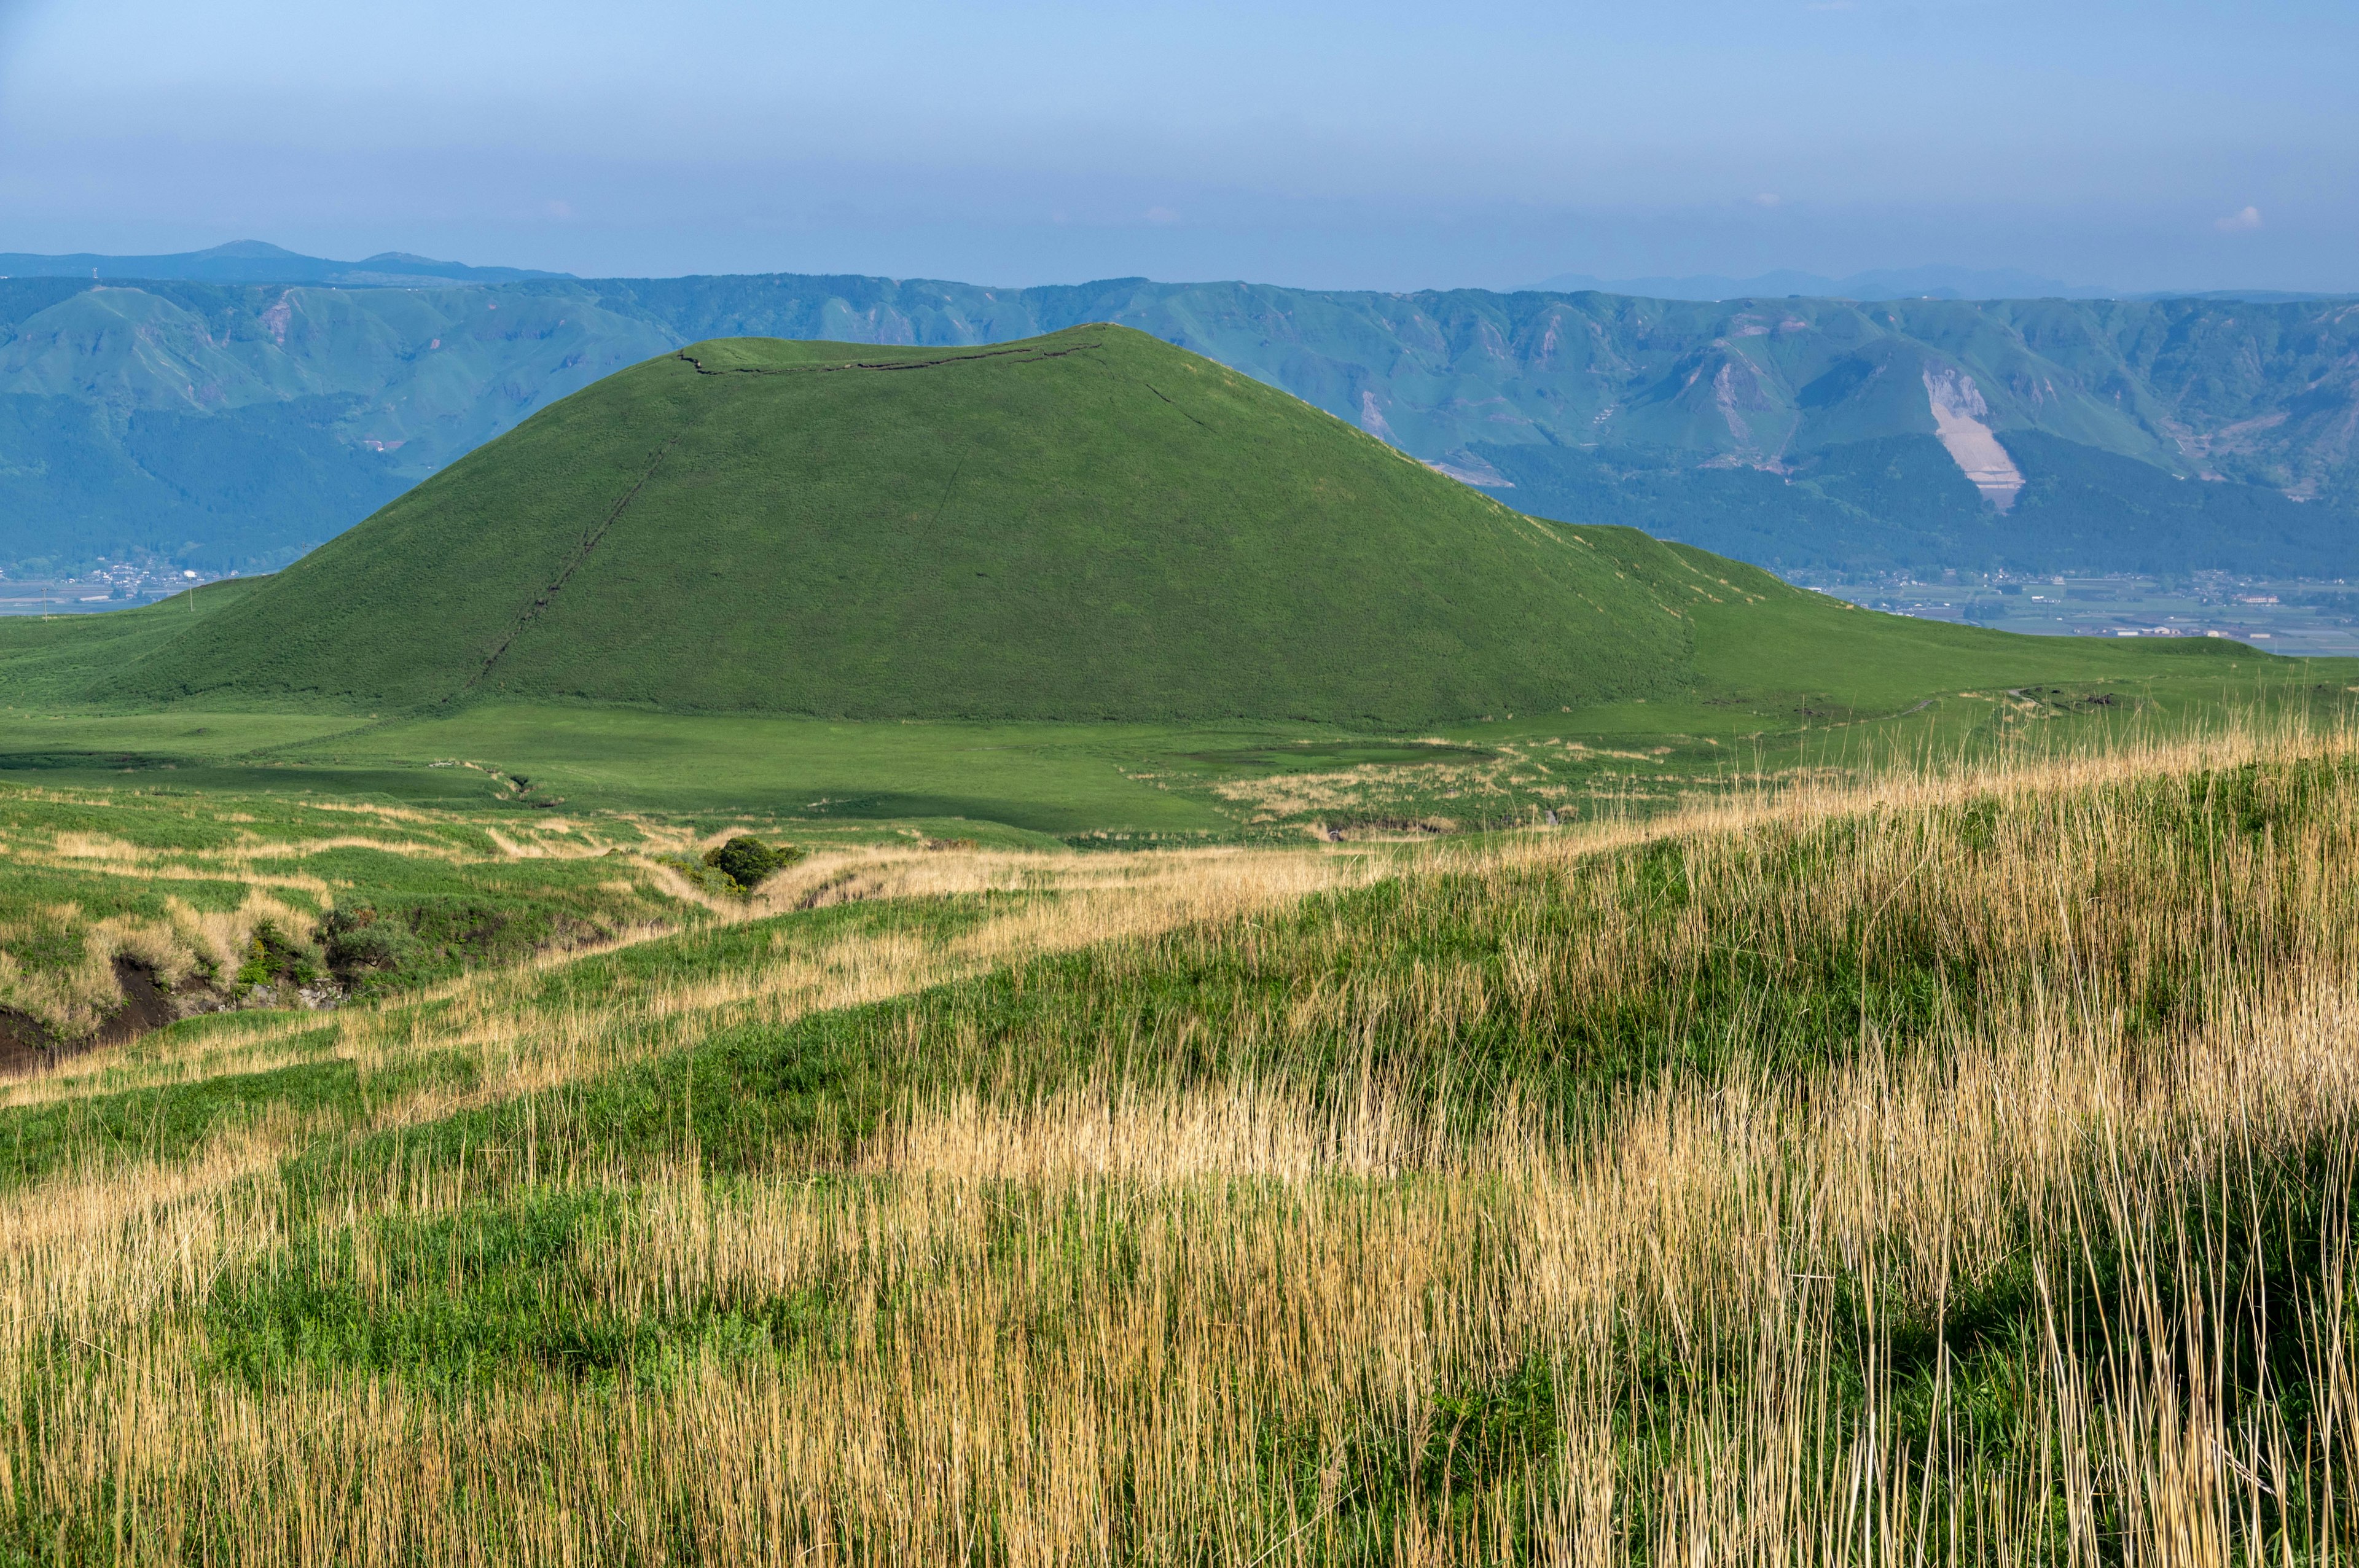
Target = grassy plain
(1943,1166)
(1889,696)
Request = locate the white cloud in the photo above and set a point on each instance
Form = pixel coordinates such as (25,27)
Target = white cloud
(1161,215)
(2240,222)
(1767,199)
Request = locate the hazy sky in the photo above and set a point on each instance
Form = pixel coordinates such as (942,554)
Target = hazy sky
(1334,142)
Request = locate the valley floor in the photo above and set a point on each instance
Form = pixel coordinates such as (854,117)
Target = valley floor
(1043,785)
(2297,616)
(1953,1164)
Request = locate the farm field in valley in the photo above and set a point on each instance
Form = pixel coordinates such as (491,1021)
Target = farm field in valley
(2295,617)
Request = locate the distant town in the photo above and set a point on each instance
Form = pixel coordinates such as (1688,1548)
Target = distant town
(2286,615)
(110,585)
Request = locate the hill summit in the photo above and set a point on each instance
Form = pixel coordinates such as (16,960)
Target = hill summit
(1089,524)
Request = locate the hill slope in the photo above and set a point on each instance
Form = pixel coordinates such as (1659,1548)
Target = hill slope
(1091,524)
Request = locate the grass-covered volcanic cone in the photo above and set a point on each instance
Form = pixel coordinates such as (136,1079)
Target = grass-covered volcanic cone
(1091,525)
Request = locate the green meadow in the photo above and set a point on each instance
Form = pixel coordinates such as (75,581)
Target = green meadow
(1277,1012)
(1187,781)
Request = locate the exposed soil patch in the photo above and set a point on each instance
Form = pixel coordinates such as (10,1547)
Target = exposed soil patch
(27,1044)
(1958,415)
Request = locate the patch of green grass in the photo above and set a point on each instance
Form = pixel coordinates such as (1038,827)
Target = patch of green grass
(44,661)
(164,1123)
(138,871)
(1043,778)
(489,1293)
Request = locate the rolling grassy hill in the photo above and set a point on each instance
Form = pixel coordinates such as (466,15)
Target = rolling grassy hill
(1093,525)
(815,581)
(1967,1159)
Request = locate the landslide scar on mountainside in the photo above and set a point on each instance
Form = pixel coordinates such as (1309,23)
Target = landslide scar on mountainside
(1958,415)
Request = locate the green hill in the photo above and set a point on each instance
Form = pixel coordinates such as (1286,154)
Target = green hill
(1091,524)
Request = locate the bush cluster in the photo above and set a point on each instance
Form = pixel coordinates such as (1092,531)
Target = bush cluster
(274,958)
(356,939)
(749,863)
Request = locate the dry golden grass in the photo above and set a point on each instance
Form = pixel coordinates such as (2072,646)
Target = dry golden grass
(220,890)
(1299,1298)
(1143,1321)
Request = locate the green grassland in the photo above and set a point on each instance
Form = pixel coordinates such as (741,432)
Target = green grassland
(1083,783)
(1728,1184)
(1913,1029)
(56,659)
(1779,677)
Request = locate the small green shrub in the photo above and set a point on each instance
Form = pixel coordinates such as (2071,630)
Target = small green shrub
(274,958)
(749,863)
(355,939)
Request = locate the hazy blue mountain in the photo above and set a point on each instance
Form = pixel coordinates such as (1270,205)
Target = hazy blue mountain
(2255,295)
(1898,503)
(253,261)
(236,425)
(1904,283)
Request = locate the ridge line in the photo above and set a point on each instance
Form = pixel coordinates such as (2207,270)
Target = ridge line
(1024,355)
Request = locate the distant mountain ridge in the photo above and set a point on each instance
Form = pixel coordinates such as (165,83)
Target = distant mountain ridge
(1901,283)
(1904,283)
(236,425)
(256,261)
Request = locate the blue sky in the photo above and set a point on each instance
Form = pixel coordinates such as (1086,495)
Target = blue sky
(1370,143)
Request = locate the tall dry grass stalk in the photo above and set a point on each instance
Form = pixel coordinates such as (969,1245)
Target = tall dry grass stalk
(1263,1320)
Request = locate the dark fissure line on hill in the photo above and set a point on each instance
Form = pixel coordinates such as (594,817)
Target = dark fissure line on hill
(942,504)
(1020,356)
(1183,413)
(589,542)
